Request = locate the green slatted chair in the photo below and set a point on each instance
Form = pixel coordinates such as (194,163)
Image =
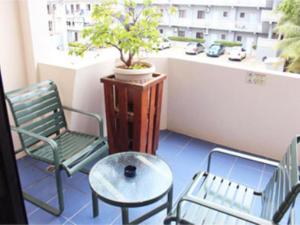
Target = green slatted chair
(42,128)
(212,199)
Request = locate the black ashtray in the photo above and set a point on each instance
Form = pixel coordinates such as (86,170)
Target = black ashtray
(130,171)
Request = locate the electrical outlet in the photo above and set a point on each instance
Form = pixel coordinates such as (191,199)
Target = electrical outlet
(256,78)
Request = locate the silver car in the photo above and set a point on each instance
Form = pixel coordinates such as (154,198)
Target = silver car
(194,48)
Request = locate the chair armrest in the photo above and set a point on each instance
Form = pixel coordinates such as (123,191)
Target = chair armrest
(49,141)
(220,208)
(94,115)
(240,155)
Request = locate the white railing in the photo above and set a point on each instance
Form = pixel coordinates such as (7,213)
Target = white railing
(216,24)
(269,16)
(239,3)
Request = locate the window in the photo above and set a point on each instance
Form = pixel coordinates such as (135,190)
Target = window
(223,36)
(200,14)
(239,38)
(48,8)
(181,33)
(76,36)
(77,7)
(199,35)
(242,15)
(225,14)
(72,8)
(88,7)
(181,13)
(50,25)
(162,11)
(161,31)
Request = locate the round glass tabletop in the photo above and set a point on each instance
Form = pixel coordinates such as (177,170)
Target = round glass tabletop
(152,180)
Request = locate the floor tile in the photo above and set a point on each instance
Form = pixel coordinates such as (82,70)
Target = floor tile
(30,208)
(250,163)
(31,175)
(78,181)
(177,139)
(44,189)
(252,179)
(74,201)
(183,154)
(107,214)
(221,165)
(163,134)
(43,217)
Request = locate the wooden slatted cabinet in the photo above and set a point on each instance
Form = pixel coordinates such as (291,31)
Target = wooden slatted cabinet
(133,113)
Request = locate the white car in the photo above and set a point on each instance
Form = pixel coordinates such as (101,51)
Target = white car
(194,48)
(164,43)
(237,53)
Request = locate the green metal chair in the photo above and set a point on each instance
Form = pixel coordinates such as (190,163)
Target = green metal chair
(42,128)
(212,199)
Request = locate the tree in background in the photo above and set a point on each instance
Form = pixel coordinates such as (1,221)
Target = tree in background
(289,28)
(126,27)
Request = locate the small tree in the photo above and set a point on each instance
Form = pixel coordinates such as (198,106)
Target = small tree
(289,28)
(126,27)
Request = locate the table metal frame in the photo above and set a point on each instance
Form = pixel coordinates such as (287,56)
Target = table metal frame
(124,206)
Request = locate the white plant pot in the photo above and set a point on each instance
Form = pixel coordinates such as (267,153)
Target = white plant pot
(135,75)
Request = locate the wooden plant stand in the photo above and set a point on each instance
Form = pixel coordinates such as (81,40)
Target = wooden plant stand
(133,113)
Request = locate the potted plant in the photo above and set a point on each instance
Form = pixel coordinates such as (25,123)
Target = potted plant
(129,28)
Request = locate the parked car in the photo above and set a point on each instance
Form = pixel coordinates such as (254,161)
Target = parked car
(237,53)
(216,50)
(194,48)
(164,43)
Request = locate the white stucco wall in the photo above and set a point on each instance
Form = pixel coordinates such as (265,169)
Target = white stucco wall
(215,103)
(11,47)
(212,102)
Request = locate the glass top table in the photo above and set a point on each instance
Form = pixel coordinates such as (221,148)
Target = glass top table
(152,181)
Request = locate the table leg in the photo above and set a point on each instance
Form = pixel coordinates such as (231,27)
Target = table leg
(95,204)
(125,218)
(170,200)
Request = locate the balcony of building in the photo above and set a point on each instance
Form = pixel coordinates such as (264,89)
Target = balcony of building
(230,3)
(214,25)
(206,104)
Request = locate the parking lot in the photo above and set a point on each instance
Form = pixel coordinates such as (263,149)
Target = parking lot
(179,51)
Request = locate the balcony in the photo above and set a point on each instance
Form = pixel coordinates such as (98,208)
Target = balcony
(231,3)
(269,16)
(176,149)
(215,25)
(206,104)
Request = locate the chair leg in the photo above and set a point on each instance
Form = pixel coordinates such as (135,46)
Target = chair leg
(44,205)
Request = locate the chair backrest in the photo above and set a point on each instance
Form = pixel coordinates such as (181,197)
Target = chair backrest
(282,189)
(37,108)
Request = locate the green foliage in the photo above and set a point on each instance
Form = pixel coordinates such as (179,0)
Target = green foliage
(289,28)
(128,28)
(186,39)
(228,43)
(138,66)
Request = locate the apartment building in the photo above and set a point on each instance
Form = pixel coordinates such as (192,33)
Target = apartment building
(232,20)
(66,18)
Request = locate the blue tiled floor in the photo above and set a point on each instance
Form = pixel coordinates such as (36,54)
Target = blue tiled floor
(184,154)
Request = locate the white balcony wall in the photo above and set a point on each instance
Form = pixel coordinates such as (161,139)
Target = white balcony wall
(207,101)
(269,16)
(215,103)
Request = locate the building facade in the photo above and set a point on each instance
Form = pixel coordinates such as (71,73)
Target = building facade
(230,20)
